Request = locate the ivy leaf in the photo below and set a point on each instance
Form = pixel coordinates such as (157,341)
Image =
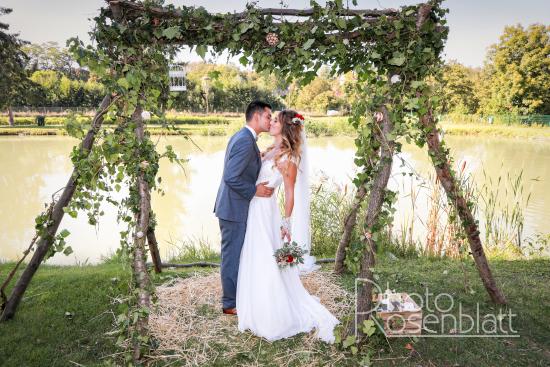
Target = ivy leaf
(337,337)
(74,128)
(245,27)
(123,82)
(214,74)
(171,32)
(243,60)
(369,327)
(68,250)
(201,50)
(308,43)
(64,233)
(349,341)
(416,83)
(341,22)
(398,59)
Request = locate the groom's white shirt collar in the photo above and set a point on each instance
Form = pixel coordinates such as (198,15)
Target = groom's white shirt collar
(252,131)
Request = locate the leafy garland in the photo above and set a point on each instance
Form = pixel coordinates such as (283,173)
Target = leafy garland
(391,57)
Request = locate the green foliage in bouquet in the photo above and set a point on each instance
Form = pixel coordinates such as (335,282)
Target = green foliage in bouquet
(290,254)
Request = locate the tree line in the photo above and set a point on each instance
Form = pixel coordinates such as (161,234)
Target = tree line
(515,79)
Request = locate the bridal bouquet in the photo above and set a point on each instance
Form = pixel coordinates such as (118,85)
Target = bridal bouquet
(290,254)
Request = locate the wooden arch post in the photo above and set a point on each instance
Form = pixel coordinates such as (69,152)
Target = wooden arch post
(56,214)
(456,197)
(46,240)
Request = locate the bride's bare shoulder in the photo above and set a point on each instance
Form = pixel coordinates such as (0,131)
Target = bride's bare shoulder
(285,163)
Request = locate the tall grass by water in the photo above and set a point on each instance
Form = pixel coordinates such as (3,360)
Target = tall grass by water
(499,205)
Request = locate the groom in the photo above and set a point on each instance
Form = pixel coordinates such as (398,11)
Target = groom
(238,186)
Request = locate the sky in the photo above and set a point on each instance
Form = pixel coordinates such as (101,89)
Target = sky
(474,24)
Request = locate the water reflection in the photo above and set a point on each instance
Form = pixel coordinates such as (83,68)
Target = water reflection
(35,167)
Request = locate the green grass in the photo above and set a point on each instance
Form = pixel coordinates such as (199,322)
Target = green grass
(41,334)
(524,284)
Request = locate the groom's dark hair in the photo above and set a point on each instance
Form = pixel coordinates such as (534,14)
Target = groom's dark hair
(255,106)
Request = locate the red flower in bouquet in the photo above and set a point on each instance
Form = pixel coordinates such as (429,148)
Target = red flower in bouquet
(289,255)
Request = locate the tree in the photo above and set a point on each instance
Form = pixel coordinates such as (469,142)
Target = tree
(518,71)
(316,96)
(49,81)
(49,56)
(230,89)
(457,89)
(14,83)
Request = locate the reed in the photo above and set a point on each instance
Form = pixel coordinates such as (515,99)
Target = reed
(499,205)
(504,201)
(192,250)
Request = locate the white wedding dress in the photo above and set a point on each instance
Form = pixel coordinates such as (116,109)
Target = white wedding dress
(272,302)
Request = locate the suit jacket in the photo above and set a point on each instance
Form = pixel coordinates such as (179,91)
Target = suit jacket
(240,171)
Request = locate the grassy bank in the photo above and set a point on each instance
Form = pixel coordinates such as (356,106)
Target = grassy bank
(512,131)
(317,126)
(43,333)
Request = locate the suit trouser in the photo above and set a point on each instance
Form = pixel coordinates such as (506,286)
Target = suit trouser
(232,234)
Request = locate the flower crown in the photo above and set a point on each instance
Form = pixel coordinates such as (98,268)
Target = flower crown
(298,119)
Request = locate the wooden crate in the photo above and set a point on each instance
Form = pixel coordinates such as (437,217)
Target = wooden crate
(401,322)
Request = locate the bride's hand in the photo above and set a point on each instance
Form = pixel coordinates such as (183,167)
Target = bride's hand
(285,233)
(285,229)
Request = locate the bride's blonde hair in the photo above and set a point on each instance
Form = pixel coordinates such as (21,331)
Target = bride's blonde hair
(291,145)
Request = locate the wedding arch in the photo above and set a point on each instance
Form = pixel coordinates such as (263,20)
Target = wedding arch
(392,53)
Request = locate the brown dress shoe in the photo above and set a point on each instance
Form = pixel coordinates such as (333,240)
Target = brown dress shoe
(229,311)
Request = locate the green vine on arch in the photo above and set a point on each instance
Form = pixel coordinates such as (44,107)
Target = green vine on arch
(391,54)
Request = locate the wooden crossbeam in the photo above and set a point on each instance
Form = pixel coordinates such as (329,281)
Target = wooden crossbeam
(117,5)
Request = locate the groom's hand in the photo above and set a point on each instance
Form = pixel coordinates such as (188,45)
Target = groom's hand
(263,191)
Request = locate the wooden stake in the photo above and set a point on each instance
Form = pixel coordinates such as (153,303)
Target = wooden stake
(375,201)
(349,225)
(456,197)
(154,250)
(140,274)
(351,218)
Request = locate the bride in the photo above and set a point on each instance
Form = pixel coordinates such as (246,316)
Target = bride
(272,302)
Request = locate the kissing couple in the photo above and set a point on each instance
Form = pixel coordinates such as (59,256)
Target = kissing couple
(269,301)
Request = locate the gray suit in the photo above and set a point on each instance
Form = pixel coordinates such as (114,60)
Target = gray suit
(238,186)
